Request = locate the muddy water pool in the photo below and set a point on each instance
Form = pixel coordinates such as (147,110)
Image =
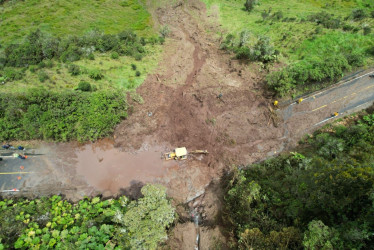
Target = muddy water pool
(108,169)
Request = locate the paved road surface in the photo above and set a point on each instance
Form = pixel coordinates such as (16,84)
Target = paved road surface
(317,109)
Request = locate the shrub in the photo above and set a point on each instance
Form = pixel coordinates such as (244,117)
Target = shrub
(91,56)
(41,65)
(325,19)
(84,86)
(74,70)
(114,55)
(358,14)
(49,64)
(33,68)
(161,40)
(107,43)
(96,74)
(244,37)
(137,73)
(127,36)
(347,27)
(250,4)
(142,41)
(72,54)
(263,51)
(43,76)
(138,57)
(164,31)
(243,53)
(366,30)
(372,14)
(12,74)
(133,66)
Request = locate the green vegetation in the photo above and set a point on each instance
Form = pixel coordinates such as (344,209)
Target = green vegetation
(71,17)
(306,37)
(54,223)
(58,48)
(60,116)
(321,197)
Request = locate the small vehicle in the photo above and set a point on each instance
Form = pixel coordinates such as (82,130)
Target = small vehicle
(300,100)
(181,154)
(372,75)
(176,154)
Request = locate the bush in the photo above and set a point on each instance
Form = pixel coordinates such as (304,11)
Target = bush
(164,31)
(250,4)
(107,43)
(12,74)
(74,70)
(114,55)
(43,76)
(137,73)
(366,30)
(72,54)
(326,20)
(358,14)
(91,56)
(138,57)
(96,74)
(133,66)
(161,40)
(33,68)
(84,86)
(49,64)
(263,51)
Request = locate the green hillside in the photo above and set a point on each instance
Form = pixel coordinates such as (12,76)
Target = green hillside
(306,35)
(72,17)
(72,51)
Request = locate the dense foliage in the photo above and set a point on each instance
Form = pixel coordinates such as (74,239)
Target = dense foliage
(322,198)
(60,116)
(54,223)
(39,46)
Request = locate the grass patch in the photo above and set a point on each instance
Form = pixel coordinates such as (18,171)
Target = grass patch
(73,17)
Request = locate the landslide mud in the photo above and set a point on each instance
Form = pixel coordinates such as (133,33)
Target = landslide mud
(182,96)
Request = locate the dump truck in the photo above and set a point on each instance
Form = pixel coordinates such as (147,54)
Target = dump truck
(181,154)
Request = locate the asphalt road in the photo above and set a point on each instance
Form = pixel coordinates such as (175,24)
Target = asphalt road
(317,109)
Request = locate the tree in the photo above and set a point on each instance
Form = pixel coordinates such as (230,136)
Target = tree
(147,219)
(320,236)
(250,4)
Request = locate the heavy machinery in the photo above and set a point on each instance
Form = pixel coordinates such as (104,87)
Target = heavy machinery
(181,154)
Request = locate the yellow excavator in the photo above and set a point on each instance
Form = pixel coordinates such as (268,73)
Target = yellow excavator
(181,154)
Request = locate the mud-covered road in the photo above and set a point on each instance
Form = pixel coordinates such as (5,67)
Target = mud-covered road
(181,109)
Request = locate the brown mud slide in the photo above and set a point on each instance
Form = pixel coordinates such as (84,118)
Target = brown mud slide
(182,98)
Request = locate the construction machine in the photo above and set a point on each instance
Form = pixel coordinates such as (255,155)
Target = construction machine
(181,154)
